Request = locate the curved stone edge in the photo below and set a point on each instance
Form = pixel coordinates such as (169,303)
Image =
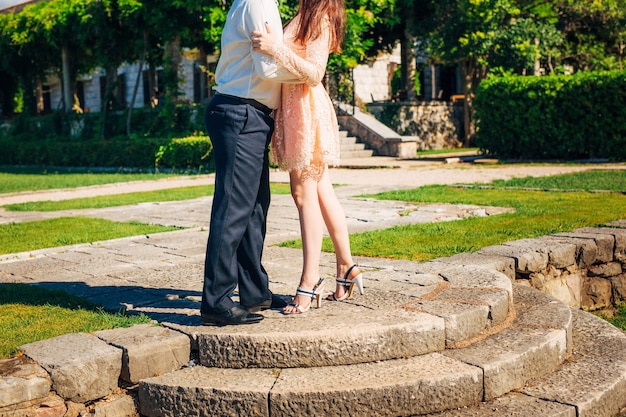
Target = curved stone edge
(532,347)
(594,380)
(418,335)
(463,302)
(424,384)
(392,388)
(591,383)
(215,391)
(416,385)
(474,301)
(513,404)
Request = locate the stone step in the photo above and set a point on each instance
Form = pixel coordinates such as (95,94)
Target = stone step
(591,383)
(366,153)
(400,315)
(352,146)
(535,344)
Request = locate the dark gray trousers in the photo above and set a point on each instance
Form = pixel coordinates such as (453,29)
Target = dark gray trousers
(240,134)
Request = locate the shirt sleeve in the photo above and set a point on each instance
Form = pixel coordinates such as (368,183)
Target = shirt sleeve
(309,69)
(265,66)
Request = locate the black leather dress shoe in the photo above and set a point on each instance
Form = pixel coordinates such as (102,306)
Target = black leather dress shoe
(274,302)
(236,315)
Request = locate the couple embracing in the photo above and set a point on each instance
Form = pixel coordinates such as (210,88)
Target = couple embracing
(269,87)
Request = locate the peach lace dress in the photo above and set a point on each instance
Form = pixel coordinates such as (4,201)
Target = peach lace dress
(306,136)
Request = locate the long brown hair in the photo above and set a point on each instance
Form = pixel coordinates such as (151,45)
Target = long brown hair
(313,12)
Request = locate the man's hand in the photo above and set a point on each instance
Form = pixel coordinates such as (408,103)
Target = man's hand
(263,42)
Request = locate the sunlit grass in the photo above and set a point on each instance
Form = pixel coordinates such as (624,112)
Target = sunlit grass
(613,180)
(445,151)
(618,319)
(34,179)
(536,214)
(127,199)
(23,237)
(30,313)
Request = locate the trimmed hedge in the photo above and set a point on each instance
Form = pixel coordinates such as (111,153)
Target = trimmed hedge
(116,152)
(67,139)
(192,152)
(553,117)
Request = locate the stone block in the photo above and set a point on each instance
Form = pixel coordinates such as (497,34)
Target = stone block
(119,405)
(537,309)
(604,243)
(412,386)
(503,264)
(597,294)
(560,255)
(470,276)
(205,392)
(526,260)
(586,249)
(82,367)
(607,270)
(619,234)
(594,380)
(275,342)
(509,405)
(22,380)
(462,321)
(514,356)
(498,302)
(567,289)
(148,350)
(619,287)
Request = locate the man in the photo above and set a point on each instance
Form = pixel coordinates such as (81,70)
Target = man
(239,124)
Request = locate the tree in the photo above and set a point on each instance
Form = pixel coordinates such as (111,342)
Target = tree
(26,57)
(464,32)
(595,33)
(111,38)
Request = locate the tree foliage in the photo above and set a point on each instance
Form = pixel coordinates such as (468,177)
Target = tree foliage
(502,36)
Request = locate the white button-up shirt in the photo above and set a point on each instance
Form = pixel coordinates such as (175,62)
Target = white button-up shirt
(242,72)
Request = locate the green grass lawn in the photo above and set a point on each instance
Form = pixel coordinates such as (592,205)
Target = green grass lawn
(429,152)
(537,213)
(614,180)
(29,236)
(29,313)
(116,200)
(22,237)
(32,179)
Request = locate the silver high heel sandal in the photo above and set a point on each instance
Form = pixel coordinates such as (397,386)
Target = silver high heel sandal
(348,285)
(314,293)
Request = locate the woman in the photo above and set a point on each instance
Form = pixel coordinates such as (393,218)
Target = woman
(306,142)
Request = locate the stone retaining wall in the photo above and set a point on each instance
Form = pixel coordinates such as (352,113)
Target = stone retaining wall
(435,124)
(96,374)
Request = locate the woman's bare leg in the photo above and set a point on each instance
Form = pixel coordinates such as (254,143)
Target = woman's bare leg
(335,220)
(304,192)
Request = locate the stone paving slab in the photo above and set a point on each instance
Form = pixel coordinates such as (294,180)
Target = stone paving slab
(594,379)
(512,405)
(391,388)
(87,370)
(207,392)
(22,380)
(351,336)
(148,350)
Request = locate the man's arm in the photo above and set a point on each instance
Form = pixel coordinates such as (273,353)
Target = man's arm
(260,13)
